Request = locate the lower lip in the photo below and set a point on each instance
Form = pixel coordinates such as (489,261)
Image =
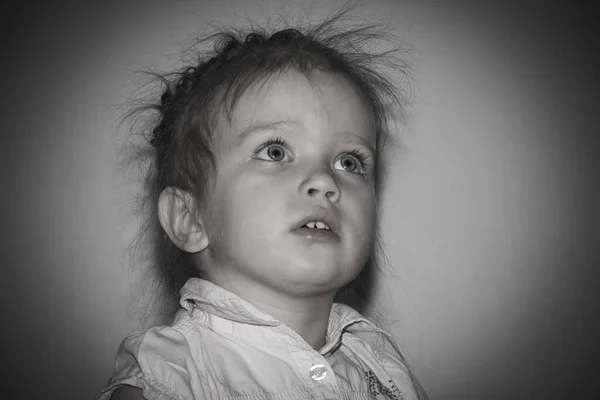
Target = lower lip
(317,235)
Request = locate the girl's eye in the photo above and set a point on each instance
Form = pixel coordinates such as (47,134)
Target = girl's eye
(275,153)
(350,162)
(273,150)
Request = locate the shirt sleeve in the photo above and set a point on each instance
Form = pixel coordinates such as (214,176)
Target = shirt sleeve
(159,362)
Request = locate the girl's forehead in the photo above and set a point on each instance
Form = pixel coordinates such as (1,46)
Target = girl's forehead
(314,101)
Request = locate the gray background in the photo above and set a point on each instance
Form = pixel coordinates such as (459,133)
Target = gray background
(490,215)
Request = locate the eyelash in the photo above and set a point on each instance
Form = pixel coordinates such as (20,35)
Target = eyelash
(278,141)
(361,157)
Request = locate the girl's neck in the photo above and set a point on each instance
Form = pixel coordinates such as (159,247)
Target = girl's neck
(307,317)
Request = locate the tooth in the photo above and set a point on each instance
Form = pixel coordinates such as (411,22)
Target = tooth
(320,225)
(310,224)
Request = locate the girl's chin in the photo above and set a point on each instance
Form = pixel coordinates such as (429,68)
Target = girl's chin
(317,274)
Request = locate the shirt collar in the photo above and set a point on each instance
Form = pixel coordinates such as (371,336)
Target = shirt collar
(215,300)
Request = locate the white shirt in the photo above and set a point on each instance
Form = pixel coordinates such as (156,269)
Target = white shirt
(222,347)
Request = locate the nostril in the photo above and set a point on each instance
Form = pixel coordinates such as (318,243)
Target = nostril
(312,191)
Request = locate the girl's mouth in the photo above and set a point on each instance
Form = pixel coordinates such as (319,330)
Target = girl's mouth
(316,225)
(316,234)
(320,224)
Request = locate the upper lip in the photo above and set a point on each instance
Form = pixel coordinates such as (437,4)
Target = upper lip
(324,216)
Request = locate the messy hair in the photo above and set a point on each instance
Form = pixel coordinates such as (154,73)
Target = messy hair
(179,129)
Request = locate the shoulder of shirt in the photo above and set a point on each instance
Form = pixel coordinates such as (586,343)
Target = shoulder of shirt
(355,323)
(167,342)
(158,360)
(381,344)
(360,328)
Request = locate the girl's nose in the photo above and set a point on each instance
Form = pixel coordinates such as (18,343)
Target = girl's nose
(321,184)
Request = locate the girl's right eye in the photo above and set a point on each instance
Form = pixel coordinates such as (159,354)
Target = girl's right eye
(273,150)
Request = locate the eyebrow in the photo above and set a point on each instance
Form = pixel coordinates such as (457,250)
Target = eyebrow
(263,126)
(362,141)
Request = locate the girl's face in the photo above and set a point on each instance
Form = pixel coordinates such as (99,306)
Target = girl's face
(296,151)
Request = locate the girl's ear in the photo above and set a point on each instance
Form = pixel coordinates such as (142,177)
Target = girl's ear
(176,212)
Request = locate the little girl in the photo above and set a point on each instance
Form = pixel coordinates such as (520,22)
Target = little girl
(264,177)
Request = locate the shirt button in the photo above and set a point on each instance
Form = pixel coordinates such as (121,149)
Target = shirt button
(317,372)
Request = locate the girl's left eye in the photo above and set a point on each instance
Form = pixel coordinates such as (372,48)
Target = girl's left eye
(273,150)
(352,162)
